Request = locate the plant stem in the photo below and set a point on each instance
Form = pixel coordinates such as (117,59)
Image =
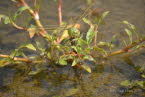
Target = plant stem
(95,38)
(20,59)
(35,15)
(59,12)
(127,48)
(18,27)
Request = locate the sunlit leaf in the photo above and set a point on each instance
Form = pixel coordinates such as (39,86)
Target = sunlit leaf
(90,58)
(87,68)
(62,61)
(126,83)
(87,21)
(33,30)
(105,44)
(74,62)
(90,34)
(30,46)
(129,33)
(131,26)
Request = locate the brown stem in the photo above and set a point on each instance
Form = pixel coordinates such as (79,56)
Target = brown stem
(59,12)
(35,15)
(18,27)
(127,48)
(35,2)
(95,38)
(20,59)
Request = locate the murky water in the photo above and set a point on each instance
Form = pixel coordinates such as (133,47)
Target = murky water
(105,79)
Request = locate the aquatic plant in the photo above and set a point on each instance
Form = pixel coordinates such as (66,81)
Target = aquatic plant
(69,46)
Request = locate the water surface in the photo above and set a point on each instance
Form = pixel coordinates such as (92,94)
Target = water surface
(105,79)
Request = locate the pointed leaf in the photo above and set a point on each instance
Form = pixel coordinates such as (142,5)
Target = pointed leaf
(90,58)
(129,33)
(74,62)
(87,68)
(30,46)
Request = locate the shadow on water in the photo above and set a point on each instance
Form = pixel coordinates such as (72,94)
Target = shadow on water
(105,79)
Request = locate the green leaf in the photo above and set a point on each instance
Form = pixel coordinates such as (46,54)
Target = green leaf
(77,49)
(33,30)
(20,10)
(126,83)
(101,50)
(74,62)
(104,14)
(141,83)
(87,68)
(39,46)
(90,34)
(30,46)
(143,75)
(129,33)
(34,72)
(132,27)
(5,18)
(81,42)
(62,61)
(87,21)
(102,17)
(90,58)
(105,44)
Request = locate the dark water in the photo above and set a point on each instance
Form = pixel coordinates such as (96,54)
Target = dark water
(105,79)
